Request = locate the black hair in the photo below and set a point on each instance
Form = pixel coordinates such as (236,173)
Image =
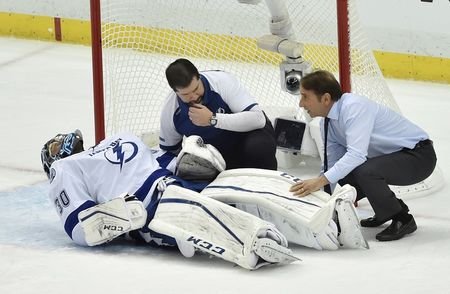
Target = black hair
(180,73)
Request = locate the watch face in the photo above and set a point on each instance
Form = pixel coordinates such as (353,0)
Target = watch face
(213,120)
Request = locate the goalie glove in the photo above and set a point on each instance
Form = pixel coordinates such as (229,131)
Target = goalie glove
(199,161)
(105,222)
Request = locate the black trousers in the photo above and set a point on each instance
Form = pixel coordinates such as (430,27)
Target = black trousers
(255,149)
(405,167)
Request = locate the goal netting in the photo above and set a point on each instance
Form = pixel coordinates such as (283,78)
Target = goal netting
(141,37)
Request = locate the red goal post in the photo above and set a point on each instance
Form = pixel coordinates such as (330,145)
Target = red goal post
(97,70)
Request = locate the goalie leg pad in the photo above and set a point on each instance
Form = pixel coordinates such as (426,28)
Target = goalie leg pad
(328,238)
(350,235)
(218,229)
(293,226)
(104,222)
(305,221)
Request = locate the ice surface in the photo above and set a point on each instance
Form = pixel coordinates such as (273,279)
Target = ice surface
(45,88)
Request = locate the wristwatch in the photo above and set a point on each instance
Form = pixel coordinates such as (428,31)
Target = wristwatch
(213,120)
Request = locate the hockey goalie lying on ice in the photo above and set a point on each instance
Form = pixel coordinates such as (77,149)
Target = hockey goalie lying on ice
(120,187)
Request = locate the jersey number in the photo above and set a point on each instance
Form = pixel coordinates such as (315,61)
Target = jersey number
(62,201)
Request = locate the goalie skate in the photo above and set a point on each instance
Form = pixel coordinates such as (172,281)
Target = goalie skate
(272,252)
(350,235)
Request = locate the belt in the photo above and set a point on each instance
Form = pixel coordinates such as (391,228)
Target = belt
(423,143)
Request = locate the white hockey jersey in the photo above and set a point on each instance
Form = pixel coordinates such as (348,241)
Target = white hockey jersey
(117,165)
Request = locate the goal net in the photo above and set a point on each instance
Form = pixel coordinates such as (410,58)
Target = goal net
(139,39)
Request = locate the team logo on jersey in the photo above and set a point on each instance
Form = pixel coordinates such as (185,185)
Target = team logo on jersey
(121,153)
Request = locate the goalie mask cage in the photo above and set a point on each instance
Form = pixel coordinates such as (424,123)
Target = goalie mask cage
(135,40)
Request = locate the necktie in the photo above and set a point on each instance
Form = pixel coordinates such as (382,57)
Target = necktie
(327,187)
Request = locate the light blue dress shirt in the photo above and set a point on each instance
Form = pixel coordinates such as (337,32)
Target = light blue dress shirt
(360,128)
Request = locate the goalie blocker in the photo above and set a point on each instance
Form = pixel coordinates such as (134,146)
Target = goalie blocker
(105,222)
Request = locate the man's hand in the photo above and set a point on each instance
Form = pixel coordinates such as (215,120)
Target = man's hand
(304,188)
(200,115)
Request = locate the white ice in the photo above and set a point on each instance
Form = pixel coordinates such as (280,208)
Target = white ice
(46,88)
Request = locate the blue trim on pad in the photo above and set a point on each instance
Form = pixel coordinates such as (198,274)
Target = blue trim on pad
(261,192)
(190,202)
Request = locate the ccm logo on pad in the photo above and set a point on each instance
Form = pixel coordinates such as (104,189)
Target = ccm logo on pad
(113,228)
(206,245)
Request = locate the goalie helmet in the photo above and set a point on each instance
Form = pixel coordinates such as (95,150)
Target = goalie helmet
(61,146)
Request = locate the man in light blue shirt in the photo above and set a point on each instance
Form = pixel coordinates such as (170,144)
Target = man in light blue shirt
(370,147)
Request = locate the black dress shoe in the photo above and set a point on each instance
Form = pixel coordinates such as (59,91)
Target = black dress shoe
(397,230)
(371,222)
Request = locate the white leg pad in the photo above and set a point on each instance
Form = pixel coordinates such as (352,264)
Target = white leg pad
(305,221)
(350,235)
(104,222)
(218,229)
